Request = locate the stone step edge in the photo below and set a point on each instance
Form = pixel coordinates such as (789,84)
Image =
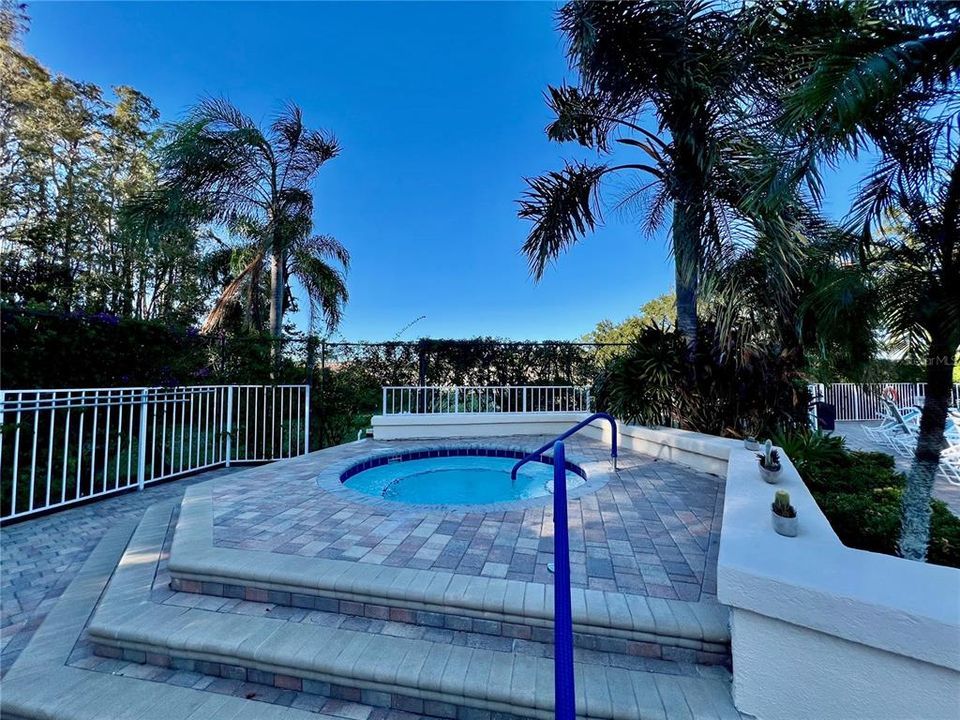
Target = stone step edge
(613,640)
(466,677)
(455,675)
(194,558)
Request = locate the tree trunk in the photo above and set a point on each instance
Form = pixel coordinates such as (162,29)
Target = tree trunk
(277,287)
(915,506)
(686,252)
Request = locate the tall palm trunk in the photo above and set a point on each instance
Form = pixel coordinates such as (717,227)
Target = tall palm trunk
(686,254)
(277,286)
(915,506)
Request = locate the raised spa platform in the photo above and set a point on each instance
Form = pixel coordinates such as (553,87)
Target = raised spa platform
(282,582)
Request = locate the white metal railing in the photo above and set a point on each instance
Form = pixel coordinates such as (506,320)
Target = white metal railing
(862,401)
(485,399)
(59,447)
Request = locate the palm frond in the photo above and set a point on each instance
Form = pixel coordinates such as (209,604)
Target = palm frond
(562,206)
(325,285)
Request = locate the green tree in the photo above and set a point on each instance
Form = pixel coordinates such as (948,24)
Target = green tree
(314,260)
(884,76)
(71,159)
(227,170)
(660,311)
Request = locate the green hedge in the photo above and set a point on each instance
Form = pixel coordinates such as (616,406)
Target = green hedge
(860,493)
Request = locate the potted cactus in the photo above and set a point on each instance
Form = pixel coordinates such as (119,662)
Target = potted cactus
(750,443)
(784,514)
(769,463)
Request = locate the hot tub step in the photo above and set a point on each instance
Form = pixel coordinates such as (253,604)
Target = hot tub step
(428,677)
(695,632)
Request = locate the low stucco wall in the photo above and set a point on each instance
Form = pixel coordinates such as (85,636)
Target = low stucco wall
(820,630)
(435,426)
(701,452)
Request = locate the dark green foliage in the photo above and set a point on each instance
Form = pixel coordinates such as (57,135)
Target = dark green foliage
(45,350)
(809,450)
(860,493)
(355,372)
(734,390)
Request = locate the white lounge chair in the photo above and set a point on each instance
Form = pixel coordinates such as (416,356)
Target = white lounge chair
(950,464)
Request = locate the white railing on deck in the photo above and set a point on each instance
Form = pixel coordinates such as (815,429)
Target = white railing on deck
(485,399)
(862,401)
(59,447)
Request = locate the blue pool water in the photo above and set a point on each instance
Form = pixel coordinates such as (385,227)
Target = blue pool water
(457,480)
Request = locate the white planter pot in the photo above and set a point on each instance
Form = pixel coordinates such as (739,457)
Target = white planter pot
(769,476)
(783,525)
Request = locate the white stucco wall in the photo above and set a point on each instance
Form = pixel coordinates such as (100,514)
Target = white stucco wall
(783,670)
(820,630)
(702,452)
(414,426)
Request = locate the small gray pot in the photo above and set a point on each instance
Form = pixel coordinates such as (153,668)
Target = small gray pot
(783,525)
(751,444)
(769,476)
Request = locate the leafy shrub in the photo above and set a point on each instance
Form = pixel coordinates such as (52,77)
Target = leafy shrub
(860,494)
(733,389)
(810,450)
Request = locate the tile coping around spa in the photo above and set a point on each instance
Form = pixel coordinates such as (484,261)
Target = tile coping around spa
(331,478)
(195,557)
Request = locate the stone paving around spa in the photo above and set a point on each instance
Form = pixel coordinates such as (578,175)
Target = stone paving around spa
(643,541)
(652,530)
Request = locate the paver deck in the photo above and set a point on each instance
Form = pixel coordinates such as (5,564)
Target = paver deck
(652,530)
(40,557)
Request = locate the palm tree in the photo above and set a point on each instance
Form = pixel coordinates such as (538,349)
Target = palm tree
(684,64)
(311,259)
(885,75)
(246,177)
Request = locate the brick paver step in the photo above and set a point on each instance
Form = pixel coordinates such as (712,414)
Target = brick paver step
(673,629)
(40,686)
(385,669)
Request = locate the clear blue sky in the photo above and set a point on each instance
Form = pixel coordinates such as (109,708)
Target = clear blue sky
(439,110)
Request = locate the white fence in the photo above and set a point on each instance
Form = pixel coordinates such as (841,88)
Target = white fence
(862,401)
(60,447)
(485,399)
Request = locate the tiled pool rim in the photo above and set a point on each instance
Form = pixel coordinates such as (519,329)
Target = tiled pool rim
(454,452)
(333,477)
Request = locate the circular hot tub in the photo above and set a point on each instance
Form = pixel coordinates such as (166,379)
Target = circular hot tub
(456,476)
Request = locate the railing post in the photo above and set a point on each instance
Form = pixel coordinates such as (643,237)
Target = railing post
(456,399)
(230,422)
(306,421)
(589,403)
(564,694)
(142,441)
(384,401)
(524,391)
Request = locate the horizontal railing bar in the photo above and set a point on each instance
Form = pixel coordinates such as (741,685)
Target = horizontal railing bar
(128,388)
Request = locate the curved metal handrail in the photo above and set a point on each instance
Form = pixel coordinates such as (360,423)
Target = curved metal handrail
(580,425)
